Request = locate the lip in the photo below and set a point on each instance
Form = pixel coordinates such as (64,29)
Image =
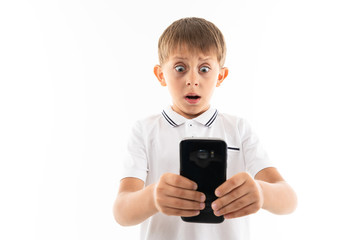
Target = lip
(192,100)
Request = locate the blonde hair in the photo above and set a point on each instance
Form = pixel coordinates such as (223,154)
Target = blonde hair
(197,34)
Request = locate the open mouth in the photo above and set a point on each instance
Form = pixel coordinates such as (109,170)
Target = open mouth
(193,97)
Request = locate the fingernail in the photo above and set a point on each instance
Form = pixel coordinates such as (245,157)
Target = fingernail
(213,206)
(203,198)
(217,193)
(202,205)
(195,186)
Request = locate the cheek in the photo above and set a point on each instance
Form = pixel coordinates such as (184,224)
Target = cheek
(175,80)
(211,81)
(210,86)
(175,86)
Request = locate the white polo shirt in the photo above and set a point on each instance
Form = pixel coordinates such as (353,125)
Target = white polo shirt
(154,150)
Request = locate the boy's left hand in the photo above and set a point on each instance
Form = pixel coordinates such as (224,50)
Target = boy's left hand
(239,196)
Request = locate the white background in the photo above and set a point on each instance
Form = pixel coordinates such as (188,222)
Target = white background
(75,75)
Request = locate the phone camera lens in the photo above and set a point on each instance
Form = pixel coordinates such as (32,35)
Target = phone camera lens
(203,154)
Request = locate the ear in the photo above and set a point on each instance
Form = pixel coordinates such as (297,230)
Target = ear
(222,75)
(159,75)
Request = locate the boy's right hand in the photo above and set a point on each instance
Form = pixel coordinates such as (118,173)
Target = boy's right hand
(176,195)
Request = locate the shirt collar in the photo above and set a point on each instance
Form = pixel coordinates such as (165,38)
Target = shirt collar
(174,119)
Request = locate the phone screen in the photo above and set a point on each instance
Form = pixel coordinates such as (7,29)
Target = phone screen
(204,162)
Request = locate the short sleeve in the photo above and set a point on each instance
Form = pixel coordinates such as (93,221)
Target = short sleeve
(255,156)
(135,163)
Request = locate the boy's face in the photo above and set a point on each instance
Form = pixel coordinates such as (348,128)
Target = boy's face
(191,78)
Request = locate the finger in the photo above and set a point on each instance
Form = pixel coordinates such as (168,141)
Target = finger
(236,205)
(178,203)
(229,198)
(179,181)
(232,183)
(180,212)
(250,209)
(185,194)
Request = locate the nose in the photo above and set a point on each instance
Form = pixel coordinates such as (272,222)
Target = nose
(195,84)
(193,79)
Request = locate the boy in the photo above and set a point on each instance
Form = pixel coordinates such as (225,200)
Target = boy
(192,54)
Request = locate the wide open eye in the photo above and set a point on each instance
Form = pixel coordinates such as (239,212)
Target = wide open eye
(204,69)
(180,68)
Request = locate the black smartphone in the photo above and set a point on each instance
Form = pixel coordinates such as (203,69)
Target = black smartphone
(204,162)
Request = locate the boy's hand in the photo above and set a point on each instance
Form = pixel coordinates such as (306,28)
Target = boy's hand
(175,195)
(239,196)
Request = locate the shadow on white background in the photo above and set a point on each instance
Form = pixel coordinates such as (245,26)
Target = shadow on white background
(75,75)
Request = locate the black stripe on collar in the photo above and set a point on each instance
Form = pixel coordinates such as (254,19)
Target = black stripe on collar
(212,119)
(167,118)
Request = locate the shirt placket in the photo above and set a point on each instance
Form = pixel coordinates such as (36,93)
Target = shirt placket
(190,127)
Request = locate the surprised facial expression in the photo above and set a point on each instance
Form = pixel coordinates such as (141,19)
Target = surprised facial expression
(191,78)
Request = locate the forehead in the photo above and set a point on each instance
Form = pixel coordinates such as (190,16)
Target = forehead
(184,53)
